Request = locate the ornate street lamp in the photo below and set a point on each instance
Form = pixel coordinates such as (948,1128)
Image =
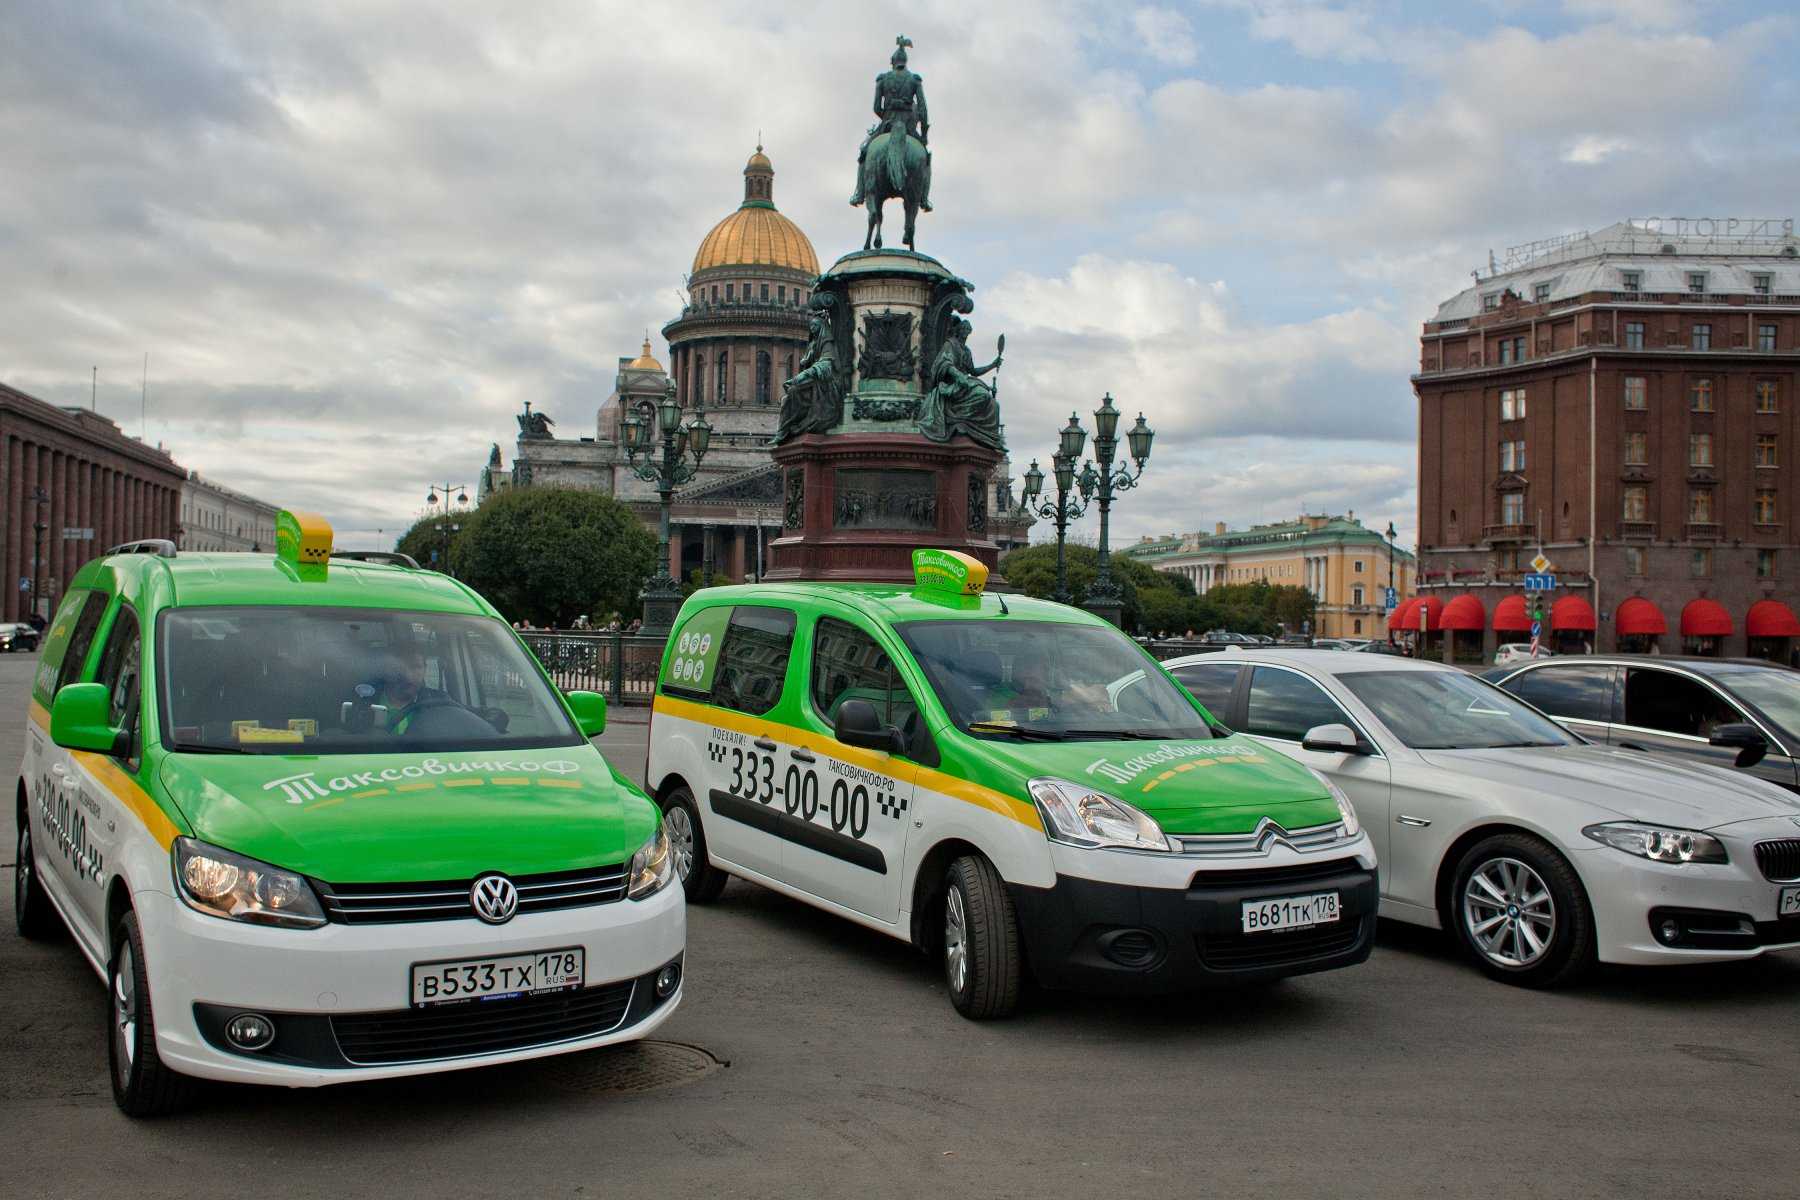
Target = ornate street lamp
(39,497)
(446,525)
(1062,510)
(665,472)
(1105,598)
(1385,610)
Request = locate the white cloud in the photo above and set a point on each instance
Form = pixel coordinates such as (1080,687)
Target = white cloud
(1653,14)
(1166,35)
(1588,150)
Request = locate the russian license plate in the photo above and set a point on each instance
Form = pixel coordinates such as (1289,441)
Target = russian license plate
(1291,912)
(1789,903)
(494,978)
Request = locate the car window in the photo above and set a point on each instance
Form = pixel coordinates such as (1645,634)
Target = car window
(1448,710)
(1672,703)
(80,641)
(754,658)
(1578,692)
(119,664)
(848,664)
(1285,705)
(1775,691)
(1211,684)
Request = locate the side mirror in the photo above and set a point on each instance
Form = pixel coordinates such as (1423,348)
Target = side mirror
(81,718)
(1752,745)
(590,712)
(1335,738)
(858,724)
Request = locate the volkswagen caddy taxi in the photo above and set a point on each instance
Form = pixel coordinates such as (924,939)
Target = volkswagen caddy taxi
(316,819)
(1006,781)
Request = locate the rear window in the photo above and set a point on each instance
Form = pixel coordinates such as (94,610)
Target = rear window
(735,657)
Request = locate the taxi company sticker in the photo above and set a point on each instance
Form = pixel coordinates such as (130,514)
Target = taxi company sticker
(298,789)
(1184,757)
(697,650)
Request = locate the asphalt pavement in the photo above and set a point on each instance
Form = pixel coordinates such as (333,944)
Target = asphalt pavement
(850,1075)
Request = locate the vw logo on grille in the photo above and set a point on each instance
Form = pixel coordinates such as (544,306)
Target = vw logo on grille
(495,899)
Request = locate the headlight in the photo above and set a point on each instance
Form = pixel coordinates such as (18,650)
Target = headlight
(1081,816)
(1345,809)
(651,867)
(222,884)
(1659,843)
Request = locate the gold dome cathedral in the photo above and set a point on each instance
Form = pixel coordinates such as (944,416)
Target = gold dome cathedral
(757,235)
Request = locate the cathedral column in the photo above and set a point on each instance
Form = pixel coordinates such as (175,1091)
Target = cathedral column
(739,568)
(675,538)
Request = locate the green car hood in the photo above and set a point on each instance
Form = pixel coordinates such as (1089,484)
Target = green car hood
(1201,786)
(385,818)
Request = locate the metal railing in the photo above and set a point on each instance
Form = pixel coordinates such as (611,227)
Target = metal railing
(620,666)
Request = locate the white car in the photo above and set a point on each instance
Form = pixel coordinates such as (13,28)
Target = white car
(1543,852)
(1517,652)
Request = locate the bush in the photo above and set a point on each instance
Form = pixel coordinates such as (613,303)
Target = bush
(547,555)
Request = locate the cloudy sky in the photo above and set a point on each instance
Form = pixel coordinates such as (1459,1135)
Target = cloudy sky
(353,236)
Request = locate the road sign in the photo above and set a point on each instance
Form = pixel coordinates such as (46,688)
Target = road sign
(1540,582)
(1540,564)
(1390,599)
(24,584)
(73,534)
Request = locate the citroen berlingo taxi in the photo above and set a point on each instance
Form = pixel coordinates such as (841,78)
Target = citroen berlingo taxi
(1010,782)
(316,819)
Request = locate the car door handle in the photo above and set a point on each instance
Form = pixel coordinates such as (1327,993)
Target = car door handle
(764,744)
(801,755)
(1415,822)
(58,769)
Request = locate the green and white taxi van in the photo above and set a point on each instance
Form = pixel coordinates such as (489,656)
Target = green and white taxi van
(1011,782)
(320,818)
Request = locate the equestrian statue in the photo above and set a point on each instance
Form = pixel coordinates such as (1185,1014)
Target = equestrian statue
(894,163)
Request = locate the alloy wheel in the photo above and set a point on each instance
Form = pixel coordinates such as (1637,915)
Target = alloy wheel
(1508,913)
(22,873)
(125,1009)
(680,830)
(956,940)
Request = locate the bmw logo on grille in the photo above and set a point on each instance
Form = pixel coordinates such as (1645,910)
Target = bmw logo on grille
(495,899)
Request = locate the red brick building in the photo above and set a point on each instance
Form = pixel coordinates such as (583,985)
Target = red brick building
(1625,401)
(91,476)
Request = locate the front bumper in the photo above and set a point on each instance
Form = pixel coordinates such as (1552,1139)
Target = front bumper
(340,995)
(1184,932)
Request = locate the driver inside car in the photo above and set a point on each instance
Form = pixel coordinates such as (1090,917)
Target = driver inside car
(401,687)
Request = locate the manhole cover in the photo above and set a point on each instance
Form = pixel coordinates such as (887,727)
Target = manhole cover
(632,1069)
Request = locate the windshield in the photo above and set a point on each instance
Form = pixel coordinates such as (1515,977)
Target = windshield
(1047,680)
(1448,710)
(285,680)
(1775,691)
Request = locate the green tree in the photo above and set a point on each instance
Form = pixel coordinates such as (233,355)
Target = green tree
(548,555)
(1153,599)
(426,540)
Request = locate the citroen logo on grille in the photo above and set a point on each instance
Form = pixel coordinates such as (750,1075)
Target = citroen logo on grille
(1269,834)
(495,899)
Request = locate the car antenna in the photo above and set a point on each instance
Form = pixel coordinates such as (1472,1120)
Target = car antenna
(1004,611)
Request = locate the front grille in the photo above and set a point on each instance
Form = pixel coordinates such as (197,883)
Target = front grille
(1297,874)
(1248,951)
(1259,841)
(448,900)
(1780,861)
(412,1035)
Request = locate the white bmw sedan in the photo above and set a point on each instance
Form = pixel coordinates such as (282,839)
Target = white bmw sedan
(1543,852)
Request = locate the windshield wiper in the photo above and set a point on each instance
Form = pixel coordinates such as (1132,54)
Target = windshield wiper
(1513,745)
(192,748)
(1124,735)
(1026,732)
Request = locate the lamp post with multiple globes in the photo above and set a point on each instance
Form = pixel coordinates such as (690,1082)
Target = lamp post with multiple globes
(677,461)
(447,525)
(1105,598)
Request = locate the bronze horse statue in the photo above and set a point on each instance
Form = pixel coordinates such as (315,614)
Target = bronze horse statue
(897,167)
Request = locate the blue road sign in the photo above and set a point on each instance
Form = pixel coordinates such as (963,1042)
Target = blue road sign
(24,584)
(1537,629)
(1540,583)
(1390,599)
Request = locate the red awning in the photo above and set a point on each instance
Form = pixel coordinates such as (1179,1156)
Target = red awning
(1510,615)
(1397,619)
(1771,618)
(1434,614)
(1639,616)
(1465,612)
(1572,613)
(1705,618)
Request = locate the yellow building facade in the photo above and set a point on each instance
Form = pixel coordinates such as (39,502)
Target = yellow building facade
(1345,565)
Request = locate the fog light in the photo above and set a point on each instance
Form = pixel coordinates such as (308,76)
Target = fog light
(250,1031)
(667,979)
(1669,931)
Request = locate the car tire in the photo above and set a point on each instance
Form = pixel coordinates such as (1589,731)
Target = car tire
(142,1086)
(981,941)
(681,820)
(35,919)
(1520,912)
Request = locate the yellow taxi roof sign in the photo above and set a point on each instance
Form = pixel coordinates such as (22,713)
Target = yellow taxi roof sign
(948,571)
(303,541)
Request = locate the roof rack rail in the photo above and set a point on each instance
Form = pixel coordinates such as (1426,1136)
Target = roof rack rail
(391,557)
(161,547)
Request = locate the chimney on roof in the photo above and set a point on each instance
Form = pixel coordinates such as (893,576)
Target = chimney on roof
(1350,516)
(1218,528)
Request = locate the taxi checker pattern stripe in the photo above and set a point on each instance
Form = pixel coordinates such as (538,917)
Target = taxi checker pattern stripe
(133,797)
(948,785)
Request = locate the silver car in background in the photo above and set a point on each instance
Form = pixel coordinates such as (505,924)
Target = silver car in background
(1542,852)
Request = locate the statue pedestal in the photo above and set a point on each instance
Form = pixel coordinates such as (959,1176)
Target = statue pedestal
(859,503)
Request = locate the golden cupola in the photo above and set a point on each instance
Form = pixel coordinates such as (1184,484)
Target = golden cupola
(757,235)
